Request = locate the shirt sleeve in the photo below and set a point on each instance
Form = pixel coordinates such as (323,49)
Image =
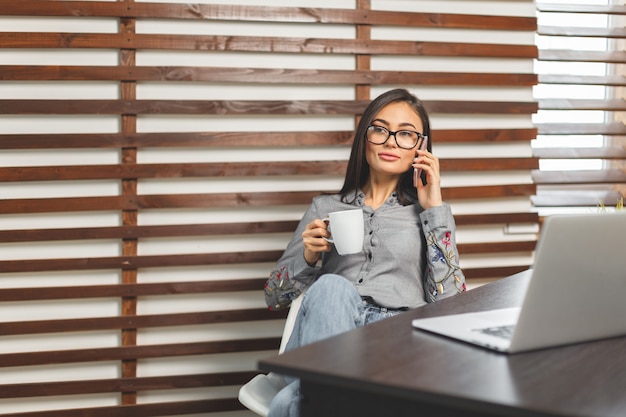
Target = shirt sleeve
(292,274)
(443,276)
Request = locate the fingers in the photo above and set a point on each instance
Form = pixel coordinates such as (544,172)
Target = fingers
(313,237)
(429,163)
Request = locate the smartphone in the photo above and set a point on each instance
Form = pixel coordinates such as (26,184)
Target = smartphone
(417,172)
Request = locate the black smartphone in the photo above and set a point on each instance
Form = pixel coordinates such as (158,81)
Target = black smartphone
(417,172)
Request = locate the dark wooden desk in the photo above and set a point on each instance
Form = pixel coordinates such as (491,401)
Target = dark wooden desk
(389,369)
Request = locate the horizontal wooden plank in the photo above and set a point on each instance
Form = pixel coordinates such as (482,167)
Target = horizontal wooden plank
(265,107)
(265,14)
(136,352)
(142,410)
(605,176)
(135,262)
(56,388)
(612,129)
(184,170)
(259,75)
(247,169)
(176,139)
(142,232)
(191,107)
(131,41)
(579,104)
(136,322)
(495,247)
(493,272)
(567,55)
(238,139)
(606,152)
(609,80)
(178,230)
(130,290)
(224,200)
(582,32)
(582,8)
(491,191)
(495,218)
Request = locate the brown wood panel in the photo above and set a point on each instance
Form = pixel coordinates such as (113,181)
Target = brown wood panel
(69,204)
(25,390)
(142,410)
(176,139)
(493,272)
(262,44)
(247,169)
(51,205)
(495,218)
(496,247)
(135,322)
(265,14)
(265,107)
(139,352)
(126,14)
(184,170)
(130,290)
(259,75)
(240,139)
(136,262)
(490,191)
(141,232)
(137,232)
(191,107)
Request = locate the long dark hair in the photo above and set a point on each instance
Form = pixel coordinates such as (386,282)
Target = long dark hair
(358,170)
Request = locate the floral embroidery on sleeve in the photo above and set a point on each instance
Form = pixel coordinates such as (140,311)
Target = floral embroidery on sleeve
(280,291)
(444,254)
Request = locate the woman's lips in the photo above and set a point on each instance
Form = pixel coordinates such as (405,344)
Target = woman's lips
(388,156)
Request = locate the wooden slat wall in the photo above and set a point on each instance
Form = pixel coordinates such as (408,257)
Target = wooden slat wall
(574,187)
(152,354)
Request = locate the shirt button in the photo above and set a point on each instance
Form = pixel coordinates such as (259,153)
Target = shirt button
(369,256)
(360,280)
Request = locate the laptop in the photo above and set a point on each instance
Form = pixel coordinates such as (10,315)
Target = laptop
(576,292)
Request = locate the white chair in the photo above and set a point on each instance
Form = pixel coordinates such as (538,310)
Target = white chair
(257,394)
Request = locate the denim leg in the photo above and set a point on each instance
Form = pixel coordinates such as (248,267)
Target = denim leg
(287,402)
(330,306)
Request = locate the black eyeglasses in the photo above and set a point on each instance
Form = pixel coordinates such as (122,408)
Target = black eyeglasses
(405,139)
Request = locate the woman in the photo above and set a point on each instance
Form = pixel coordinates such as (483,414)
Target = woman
(409,255)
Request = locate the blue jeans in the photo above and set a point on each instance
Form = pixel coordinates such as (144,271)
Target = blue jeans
(330,306)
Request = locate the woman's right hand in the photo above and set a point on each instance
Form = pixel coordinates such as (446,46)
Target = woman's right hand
(314,242)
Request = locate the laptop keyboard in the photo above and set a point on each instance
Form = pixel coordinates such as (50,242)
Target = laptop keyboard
(504,332)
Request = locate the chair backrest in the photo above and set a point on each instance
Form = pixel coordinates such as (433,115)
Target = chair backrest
(289,323)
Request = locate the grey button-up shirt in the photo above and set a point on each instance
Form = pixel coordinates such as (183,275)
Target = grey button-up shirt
(409,255)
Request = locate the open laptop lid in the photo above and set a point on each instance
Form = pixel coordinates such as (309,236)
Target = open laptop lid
(578,288)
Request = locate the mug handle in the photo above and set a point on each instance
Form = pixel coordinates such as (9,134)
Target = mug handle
(327,239)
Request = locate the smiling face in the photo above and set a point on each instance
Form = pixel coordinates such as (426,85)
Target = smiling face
(389,160)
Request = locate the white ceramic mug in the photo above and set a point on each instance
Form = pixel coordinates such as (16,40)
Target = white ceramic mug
(347,231)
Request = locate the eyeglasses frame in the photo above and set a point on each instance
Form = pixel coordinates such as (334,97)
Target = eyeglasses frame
(390,134)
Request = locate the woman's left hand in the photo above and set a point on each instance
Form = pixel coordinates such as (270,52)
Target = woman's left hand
(429,195)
